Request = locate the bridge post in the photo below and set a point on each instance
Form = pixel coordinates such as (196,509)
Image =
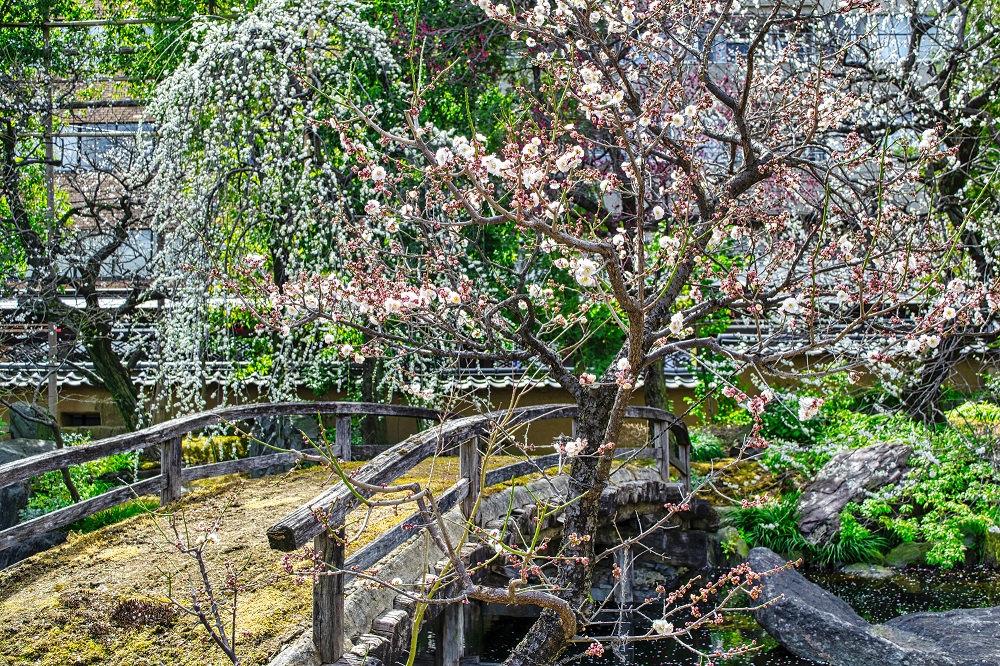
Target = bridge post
(171,462)
(343,437)
(451,643)
(469,464)
(661,449)
(328,599)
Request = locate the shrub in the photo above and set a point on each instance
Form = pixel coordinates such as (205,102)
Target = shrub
(705,446)
(773,525)
(853,543)
(949,492)
(49,493)
(139,613)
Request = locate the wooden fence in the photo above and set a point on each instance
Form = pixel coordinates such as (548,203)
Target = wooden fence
(168,436)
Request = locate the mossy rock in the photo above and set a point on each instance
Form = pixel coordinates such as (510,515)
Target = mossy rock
(907,553)
(734,547)
(991,547)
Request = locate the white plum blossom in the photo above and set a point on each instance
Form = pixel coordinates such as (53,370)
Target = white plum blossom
(378,173)
(444,156)
(573,447)
(790,306)
(585,271)
(809,408)
(661,627)
(677,323)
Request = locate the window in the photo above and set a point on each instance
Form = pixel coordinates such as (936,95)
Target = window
(81,419)
(86,146)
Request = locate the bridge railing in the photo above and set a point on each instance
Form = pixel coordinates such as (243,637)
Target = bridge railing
(169,436)
(670,447)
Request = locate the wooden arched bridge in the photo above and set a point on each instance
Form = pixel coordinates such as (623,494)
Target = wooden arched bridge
(669,446)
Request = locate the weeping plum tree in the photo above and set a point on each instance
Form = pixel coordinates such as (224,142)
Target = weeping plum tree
(930,68)
(666,165)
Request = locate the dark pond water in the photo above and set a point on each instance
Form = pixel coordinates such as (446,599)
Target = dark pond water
(877,600)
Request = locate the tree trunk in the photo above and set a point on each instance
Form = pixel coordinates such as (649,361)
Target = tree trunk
(922,400)
(589,474)
(372,427)
(116,377)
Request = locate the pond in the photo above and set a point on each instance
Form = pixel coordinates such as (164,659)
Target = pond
(910,591)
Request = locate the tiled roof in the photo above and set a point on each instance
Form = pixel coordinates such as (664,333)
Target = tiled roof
(21,376)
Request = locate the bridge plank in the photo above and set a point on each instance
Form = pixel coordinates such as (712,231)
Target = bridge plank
(26,468)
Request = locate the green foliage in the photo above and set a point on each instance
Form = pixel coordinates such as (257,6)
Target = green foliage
(705,446)
(951,491)
(975,412)
(773,525)
(781,421)
(115,514)
(837,431)
(853,543)
(49,493)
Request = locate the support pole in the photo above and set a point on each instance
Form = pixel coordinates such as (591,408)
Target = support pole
(328,599)
(469,463)
(344,437)
(661,449)
(451,642)
(473,628)
(171,462)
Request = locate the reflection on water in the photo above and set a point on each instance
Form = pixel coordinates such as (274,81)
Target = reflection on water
(913,591)
(910,591)
(504,635)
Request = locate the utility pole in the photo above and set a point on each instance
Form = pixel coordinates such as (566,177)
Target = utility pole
(50,199)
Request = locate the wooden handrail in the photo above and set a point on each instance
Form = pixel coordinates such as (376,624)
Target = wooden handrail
(26,468)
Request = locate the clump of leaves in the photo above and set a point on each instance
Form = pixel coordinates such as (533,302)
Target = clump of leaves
(48,492)
(139,613)
(705,446)
(853,543)
(773,525)
(952,490)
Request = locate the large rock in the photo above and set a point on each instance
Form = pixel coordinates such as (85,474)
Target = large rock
(848,477)
(907,553)
(22,426)
(271,433)
(815,624)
